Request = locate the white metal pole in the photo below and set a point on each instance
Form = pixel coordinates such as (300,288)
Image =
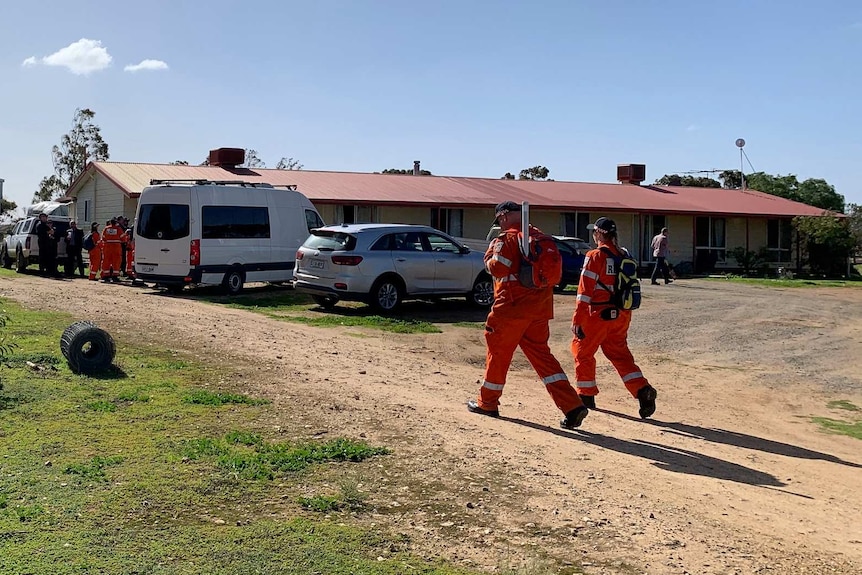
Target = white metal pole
(741,173)
(525,229)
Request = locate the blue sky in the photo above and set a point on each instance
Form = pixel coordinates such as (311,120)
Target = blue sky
(469,87)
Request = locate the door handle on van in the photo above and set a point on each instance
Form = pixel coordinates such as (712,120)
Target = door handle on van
(165,250)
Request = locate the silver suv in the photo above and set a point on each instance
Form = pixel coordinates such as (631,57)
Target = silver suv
(384,264)
(21,245)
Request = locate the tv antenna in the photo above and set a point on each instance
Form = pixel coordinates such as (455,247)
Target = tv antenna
(740,143)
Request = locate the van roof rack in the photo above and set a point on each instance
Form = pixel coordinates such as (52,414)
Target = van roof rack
(199,182)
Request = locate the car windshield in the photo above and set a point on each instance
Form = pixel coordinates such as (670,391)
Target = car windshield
(328,240)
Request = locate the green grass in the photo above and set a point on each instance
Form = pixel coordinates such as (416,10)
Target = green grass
(849,428)
(843,404)
(205,397)
(299,308)
(123,475)
(788,283)
(470,324)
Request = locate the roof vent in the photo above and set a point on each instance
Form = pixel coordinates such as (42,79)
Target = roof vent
(227,157)
(631,173)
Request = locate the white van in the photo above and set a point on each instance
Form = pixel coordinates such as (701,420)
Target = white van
(219,233)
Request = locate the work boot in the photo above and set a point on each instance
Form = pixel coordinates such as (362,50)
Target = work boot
(574,418)
(473,407)
(589,401)
(646,398)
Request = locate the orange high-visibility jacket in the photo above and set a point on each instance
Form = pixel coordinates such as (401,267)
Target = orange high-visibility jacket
(503,260)
(598,267)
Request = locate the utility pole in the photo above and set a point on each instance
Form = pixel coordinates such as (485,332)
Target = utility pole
(740,143)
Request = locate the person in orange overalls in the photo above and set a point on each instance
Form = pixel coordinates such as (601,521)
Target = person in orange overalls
(597,323)
(95,254)
(129,242)
(112,241)
(519,317)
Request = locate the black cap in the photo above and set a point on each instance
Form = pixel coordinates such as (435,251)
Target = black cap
(604,224)
(505,208)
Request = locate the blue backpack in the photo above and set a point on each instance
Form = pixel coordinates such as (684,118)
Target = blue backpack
(89,244)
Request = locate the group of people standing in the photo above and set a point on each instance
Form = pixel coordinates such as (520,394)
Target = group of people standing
(111,252)
(520,316)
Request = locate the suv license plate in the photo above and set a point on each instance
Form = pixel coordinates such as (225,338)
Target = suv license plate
(316,264)
(147,269)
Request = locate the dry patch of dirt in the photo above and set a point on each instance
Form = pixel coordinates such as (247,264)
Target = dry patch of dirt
(729,477)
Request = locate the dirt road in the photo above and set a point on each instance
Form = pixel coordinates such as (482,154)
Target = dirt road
(731,476)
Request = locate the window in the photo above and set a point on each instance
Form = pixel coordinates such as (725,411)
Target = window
(778,240)
(448,220)
(576,225)
(652,227)
(356,214)
(710,239)
(87,211)
(163,221)
(312,220)
(234,222)
(440,244)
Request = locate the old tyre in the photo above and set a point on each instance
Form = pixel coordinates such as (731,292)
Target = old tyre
(386,294)
(482,294)
(87,348)
(325,301)
(234,280)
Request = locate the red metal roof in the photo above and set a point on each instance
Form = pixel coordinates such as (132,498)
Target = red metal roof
(387,189)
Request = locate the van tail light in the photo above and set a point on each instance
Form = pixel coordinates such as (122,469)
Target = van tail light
(298,255)
(27,243)
(195,253)
(346,260)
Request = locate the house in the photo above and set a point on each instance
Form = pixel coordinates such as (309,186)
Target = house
(704,223)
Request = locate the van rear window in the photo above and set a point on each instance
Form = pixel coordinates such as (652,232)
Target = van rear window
(163,221)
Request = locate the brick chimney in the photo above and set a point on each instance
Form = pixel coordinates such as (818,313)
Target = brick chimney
(228,158)
(416,170)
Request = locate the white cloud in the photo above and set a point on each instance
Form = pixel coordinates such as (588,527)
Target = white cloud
(81,57)
(147,65)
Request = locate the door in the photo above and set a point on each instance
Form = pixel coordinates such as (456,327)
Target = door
(162,232)
(453,270)
(413,261)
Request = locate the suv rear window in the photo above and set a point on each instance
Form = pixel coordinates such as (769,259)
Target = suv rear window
(326,240)
(163,221)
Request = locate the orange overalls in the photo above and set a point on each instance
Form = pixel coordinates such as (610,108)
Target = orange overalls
(130,253)
(95,255)
(112,240)
(610,335)
(519,316)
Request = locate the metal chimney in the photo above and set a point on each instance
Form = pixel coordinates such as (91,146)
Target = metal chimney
(416,170)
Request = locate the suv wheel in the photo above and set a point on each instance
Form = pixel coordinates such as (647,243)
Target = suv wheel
(386,295)
(482,294)
(325,301)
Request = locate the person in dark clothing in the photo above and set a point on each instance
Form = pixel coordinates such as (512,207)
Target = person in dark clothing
(74,245)
(47,246)
(123,222)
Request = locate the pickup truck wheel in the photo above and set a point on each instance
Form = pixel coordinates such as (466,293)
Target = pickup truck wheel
(20,261)
(7,261)
(87,348)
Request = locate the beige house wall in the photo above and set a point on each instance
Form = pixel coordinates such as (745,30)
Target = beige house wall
(107,201)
